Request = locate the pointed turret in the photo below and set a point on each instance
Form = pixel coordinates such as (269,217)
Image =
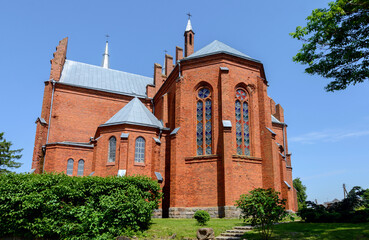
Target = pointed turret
(189,26)
(189,38)
(105,61)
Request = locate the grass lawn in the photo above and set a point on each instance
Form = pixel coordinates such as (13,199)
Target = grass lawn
(301,230)
(186,229)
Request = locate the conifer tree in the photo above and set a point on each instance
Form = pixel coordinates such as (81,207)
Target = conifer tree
(8,157)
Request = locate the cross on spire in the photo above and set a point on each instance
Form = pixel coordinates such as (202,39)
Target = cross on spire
(189,27)
(107,37)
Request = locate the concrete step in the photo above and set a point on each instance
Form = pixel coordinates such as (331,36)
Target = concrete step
(243,228)
(237,231)
(227,238)
(227,234)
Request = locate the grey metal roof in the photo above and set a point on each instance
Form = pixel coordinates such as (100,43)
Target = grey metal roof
(124,135)
(121,172)
(99,78)
(217,47)
(270,130)
(158,176)
(175,131)
(42,121)
(275,120)
(77,144)
(157,140)
(227,123)
(134,113)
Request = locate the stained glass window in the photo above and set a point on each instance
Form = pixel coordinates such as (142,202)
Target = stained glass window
(242,123)
(203,122)
(70,167)
(112,148)
(81,166)
(140,150)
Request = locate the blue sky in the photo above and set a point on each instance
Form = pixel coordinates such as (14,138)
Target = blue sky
(328,132)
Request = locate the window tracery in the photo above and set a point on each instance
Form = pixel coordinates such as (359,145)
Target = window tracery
(112,149)
(204,122)
(140,150)
(70,167)
(242,123)
(81,166)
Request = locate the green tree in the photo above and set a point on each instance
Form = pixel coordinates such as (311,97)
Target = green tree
(336,43)
(301,192)
(263,208)
(7,156)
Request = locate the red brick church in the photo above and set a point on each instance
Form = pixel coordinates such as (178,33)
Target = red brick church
(204,127)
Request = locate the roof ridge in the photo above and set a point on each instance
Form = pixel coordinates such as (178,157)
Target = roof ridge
(134,113)
(217,47)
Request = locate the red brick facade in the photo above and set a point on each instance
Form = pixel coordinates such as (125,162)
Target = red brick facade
(74,130)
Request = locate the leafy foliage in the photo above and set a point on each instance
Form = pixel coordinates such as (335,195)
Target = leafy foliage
(56,206)
(7,156)
(301,192)
(262,207)
(336,43)
(202,217)
(347,210)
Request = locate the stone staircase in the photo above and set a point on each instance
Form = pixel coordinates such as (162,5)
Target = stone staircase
(235,234)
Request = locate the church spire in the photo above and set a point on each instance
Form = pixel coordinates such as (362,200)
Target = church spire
(189,26)
(189,37)
(105,61)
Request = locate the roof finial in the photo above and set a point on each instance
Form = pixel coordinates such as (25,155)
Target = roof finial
(189,26)
(105,62)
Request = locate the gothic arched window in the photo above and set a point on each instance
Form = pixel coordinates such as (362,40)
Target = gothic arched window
(70,167)
(140,150)
(203,123)
(242,123)
(112,148)
(81,166)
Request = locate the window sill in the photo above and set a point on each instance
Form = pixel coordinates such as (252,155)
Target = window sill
(244,158)
(139,164)
(202,158)
(110,163)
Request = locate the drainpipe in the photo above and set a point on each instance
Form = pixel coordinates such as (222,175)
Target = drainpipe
(48,128)
(284,141)
(153,106)
(179,68)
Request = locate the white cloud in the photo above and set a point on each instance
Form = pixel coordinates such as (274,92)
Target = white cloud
(327,136)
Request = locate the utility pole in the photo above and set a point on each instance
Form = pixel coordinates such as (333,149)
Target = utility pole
(344,191)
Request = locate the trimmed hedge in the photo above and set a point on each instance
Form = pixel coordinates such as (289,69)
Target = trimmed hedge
(57,206)
(202,217)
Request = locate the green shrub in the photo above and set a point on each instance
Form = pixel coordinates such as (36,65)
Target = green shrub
(334,214)
(202,217)
(262,207)
(58,206)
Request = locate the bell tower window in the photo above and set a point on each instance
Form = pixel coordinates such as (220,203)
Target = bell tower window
(242,123)
(203,122)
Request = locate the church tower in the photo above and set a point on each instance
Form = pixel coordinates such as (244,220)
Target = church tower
(189,38)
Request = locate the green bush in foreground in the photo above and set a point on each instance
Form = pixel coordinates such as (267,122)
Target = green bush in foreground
(58,206)
(202,217)
(263,208)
